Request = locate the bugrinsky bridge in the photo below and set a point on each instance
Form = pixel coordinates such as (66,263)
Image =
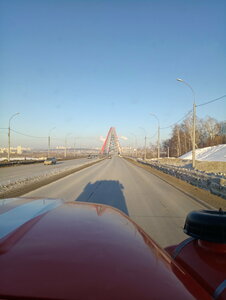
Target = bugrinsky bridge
(111,143)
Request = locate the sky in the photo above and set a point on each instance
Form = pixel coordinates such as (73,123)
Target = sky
(84,66)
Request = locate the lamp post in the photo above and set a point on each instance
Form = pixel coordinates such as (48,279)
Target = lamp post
(194,121)
(158,145)
(9,133)
(65,149)
(135,141)
(78,144)
(145,143)
(74,147)
(49,140)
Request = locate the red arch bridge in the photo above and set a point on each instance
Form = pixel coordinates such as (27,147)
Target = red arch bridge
(111,144)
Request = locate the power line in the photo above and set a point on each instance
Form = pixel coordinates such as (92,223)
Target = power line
(153,135)
(205,103)
(57,138)
(211,101)
(202,104)
(31,136)
(177,121)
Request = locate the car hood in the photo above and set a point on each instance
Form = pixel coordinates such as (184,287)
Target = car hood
(55,250)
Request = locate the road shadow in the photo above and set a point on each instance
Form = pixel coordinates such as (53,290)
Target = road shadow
(109,192)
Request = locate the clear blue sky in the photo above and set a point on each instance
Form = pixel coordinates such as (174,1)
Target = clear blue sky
(84,66)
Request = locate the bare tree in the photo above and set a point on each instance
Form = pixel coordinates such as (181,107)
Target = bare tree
(212,128)
(209,132)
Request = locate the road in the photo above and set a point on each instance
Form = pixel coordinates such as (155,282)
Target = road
(159,208)
(19,172)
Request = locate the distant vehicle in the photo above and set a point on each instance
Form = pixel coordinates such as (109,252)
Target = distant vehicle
(89,156)
(109,156)
(55,250)
(50,161)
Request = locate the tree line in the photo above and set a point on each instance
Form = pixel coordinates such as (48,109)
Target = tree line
(209,132)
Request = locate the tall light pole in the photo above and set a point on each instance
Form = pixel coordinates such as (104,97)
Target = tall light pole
(65,149)
(145,143)
(49,139)
(194,121)
(135,141)
(158,145)
(9,133)
(79,144)
(74,147)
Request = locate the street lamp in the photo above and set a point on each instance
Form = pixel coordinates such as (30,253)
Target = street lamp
(158,134)
(65,149)
(135,141)
(9,134)
(49,139)
(74,147)
(194,121)
(145,143)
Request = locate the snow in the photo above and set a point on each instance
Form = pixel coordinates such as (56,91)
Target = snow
(15,183)
(214,153)
(22,158)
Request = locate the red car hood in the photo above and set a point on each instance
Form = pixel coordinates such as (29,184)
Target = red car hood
(55,250)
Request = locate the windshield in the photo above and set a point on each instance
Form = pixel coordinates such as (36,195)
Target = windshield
(138,87)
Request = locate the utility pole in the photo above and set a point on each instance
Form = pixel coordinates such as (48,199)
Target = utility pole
(9,134)
(48,144)
(145,142)
(194,121)
(193,135)
(178,140)
(168,152)
(74,148)
(145,147)
(65,148)
(9,143)
(158,143)
(49,140)
(135,144)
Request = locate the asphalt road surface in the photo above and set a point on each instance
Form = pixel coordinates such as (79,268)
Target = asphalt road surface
(159,208)
(14,173)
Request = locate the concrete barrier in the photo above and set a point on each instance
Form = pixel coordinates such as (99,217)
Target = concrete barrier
(216,185)
(20,162)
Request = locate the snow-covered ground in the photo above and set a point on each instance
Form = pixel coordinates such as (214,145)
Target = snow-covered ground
(15,181)
(22,158)
(214,153)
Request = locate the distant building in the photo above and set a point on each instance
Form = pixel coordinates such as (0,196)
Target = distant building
(19,150)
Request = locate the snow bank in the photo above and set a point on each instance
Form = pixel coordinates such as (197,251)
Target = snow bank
(214,153)
(22,158)
(16,183)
